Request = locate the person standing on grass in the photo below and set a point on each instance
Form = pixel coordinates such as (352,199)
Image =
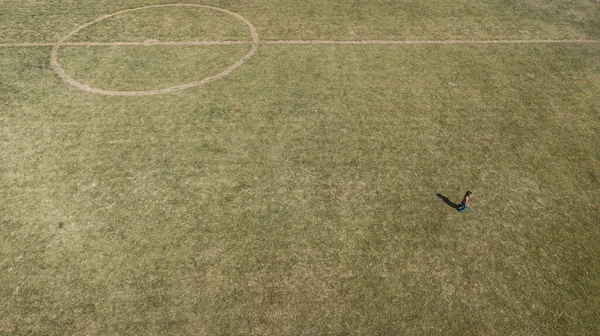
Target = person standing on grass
(464,205)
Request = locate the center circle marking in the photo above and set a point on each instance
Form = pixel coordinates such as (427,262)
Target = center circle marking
(61,72)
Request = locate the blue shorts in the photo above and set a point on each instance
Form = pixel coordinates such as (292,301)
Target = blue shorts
(462,207)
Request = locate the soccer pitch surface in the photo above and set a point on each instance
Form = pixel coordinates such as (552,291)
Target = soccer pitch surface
(286,167)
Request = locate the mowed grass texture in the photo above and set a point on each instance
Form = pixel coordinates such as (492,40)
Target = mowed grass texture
(147,67)
(298,194)
(48,20)
(175,23)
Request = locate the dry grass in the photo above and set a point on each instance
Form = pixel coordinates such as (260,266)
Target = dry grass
(298,194)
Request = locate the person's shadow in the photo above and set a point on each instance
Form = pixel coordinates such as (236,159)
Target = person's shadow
(447,201)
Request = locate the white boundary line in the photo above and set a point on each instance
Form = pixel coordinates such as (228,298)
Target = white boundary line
(61,72)
(290,42)
(409,42)
(254,43)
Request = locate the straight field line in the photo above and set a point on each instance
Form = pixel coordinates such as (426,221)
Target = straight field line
(291,42)
(145,43)
(384,42)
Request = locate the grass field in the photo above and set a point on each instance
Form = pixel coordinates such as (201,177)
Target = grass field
(297,195)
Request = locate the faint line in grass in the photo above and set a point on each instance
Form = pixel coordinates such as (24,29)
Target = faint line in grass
(409,42)
(62,74)
(290,42)
(254,43)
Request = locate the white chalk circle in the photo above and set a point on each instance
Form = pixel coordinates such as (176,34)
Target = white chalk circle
(61,72)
